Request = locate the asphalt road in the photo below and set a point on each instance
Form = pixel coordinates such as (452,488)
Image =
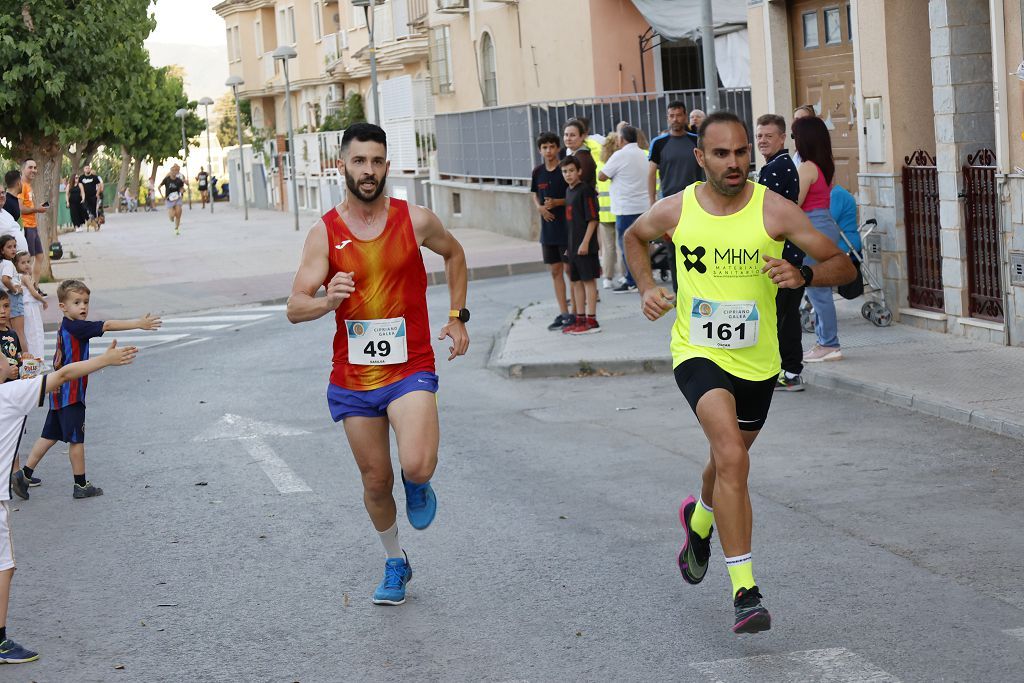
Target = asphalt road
(887,544)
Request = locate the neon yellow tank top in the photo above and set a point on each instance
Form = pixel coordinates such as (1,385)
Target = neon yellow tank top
(725,308)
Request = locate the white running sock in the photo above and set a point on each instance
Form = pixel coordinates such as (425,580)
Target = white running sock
(390,540)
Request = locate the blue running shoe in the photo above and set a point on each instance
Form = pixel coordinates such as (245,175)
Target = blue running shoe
(420,503)
(397,575)
(12,653)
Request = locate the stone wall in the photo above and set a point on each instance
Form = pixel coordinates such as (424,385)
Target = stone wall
(506,210)
(881,198)
(1013,232)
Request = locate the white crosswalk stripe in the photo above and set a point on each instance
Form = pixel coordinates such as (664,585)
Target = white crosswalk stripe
(177,330)
(831,665)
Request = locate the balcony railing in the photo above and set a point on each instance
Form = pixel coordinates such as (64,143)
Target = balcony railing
(330,49)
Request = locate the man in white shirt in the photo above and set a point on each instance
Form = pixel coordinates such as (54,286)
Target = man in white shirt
(627,169)
(9,226)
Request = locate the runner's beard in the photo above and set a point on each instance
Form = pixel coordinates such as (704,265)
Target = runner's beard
(718,182)
(353,188)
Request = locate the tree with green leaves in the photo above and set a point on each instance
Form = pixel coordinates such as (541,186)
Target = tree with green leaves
(227,125)
(65,66)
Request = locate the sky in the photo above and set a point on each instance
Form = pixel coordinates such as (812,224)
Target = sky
(190,34)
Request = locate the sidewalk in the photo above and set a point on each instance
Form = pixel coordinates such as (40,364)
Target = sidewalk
(958,379)
(136,264)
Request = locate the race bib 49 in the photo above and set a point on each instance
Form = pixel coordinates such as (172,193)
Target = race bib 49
(377,342)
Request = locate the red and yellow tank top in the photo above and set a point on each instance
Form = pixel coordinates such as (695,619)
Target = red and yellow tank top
(391,282)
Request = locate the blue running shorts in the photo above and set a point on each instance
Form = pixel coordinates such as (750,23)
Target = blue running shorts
(374,403)
(65,424)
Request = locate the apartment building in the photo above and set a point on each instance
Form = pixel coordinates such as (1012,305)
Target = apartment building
(924,100)
(331,39)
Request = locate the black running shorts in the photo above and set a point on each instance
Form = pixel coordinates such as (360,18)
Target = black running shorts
(584,268)
(554,253)
(698,376)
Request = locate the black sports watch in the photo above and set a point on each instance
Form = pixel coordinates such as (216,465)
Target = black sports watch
(808,275)
(462,314)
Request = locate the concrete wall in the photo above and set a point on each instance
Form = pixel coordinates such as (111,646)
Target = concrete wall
(771,63)
(501,209)
(616,27)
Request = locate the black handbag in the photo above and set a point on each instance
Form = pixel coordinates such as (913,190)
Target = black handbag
(854,288)
(56,251)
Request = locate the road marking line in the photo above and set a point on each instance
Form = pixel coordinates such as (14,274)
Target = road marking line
(275,468)
(255,309)
(217,318)
(834,665)
(251,433)
(1015,632)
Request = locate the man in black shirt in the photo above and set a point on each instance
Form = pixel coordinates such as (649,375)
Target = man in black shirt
(202,180)
(172,187)
(779,174)
(548,188)
(92,184)
(673,158)
(12,180)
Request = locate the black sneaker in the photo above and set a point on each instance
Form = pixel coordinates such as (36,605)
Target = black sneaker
(789,383)
(561,320)
(19,485)
(696,553)
(35,481)
(751,615)
(624,289)
(87,491)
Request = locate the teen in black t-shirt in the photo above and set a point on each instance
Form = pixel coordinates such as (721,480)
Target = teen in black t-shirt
(173,185)
(92,184)
(203,180)
(548,188)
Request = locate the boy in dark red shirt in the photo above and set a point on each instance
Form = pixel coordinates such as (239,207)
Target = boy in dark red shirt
(66,419)
(581,215)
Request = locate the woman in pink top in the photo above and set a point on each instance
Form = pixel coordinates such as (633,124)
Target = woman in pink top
(816,171)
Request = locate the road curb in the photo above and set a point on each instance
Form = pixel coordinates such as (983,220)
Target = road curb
(928,405)
(433,278)
(881,393)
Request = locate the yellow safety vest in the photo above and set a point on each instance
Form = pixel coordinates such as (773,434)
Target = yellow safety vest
(725,309)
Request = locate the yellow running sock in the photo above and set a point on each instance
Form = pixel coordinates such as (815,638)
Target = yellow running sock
(741,571)
(702,519)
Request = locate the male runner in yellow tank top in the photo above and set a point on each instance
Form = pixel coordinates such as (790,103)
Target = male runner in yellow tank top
(729,234)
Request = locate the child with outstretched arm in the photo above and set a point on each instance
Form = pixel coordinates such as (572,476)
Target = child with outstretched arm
(16,400)
(66,419)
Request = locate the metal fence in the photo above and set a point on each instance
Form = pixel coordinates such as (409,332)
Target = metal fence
(498,143)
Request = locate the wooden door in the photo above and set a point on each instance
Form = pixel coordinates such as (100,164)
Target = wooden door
(822,51)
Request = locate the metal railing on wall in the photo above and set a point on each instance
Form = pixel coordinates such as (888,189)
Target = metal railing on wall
(498,143)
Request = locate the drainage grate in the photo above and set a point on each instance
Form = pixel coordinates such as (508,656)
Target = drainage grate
(1017,268)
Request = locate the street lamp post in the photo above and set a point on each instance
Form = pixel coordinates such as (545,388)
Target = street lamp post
(284,53)
(206,102)
(233,82)
(371,27)
(181,114)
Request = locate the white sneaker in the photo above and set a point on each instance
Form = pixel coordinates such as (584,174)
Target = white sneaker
(819,354)
(606,283)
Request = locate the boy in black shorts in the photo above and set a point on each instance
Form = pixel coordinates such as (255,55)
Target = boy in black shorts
(581,215)
(548,188)
(66,419)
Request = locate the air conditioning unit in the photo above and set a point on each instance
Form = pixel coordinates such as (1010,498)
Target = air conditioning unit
(452,4)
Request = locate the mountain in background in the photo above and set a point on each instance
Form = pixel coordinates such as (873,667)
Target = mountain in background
(206,66)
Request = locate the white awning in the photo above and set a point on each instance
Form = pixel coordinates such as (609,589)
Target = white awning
(678,19)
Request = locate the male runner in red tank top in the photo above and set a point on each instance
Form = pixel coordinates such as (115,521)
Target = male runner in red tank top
(366,254)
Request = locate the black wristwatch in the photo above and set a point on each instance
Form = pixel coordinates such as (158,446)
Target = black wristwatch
(808,275)
(462,314)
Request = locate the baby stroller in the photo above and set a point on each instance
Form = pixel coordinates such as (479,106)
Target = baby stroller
(869,285)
